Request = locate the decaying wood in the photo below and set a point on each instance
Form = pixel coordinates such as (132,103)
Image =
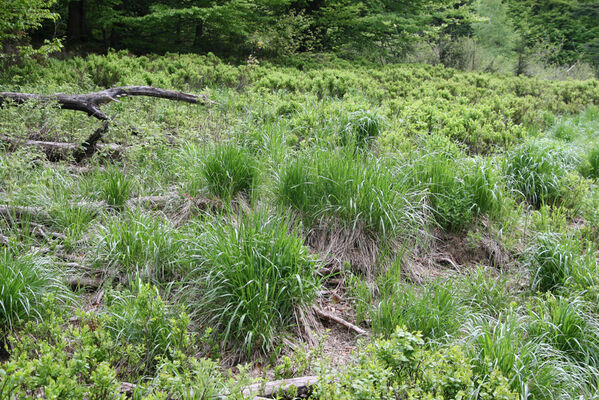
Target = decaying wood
(79,151)
(325,315)
(303,386)
(90,103)
(82,282)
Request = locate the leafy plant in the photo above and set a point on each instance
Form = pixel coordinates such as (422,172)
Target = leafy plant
(139,317)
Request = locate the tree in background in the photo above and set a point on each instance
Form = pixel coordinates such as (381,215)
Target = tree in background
(561,32)
(18,18)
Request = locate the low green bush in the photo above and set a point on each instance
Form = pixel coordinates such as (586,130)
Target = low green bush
(251,278)
(91,357)
(400,367)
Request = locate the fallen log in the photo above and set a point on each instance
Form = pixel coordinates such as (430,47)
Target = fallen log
(90,103)
(62,149)
(303,385)
(325,315)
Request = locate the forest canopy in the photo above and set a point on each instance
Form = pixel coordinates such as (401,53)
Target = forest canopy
(492,35)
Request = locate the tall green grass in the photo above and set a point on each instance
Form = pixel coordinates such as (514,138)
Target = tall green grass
(229,170)
(115,186)
(459,188)
(552,260)
(537,170)
(251,277)
(138,316)
(436,309)
(24,281)
(340,187)
(568,324)
(144,244)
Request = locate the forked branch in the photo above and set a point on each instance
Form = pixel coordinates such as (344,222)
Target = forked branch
(90,103)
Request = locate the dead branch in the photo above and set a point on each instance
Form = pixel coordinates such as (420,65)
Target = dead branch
(90,103)
(325,315)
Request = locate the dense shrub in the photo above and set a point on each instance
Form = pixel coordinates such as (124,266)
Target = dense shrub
(399,367)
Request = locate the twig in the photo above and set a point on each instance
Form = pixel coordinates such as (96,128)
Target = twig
(349,325)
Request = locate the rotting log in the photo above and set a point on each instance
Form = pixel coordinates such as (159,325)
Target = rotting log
(303,385)
(90,103)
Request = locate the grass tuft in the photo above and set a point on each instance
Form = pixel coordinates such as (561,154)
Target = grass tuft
(252,276)
(230,170)
(24,281)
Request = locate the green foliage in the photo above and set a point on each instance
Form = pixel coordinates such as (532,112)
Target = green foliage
(24,281)
(90,358)
(230,170)
(17,19)
(400,367)
(251,277)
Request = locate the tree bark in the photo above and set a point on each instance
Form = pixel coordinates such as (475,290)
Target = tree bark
(90,103)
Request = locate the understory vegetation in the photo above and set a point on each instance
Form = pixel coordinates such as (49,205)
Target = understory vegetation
(452,216)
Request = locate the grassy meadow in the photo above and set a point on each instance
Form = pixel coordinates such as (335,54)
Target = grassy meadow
(453,216)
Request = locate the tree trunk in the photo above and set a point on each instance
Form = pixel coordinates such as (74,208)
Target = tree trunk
(76,26)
